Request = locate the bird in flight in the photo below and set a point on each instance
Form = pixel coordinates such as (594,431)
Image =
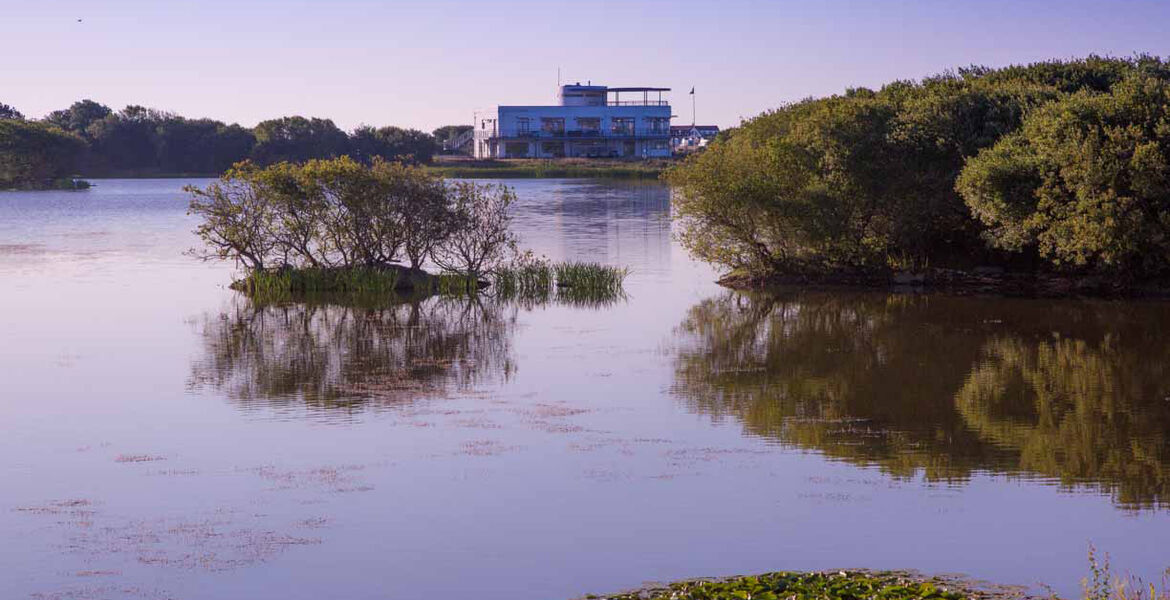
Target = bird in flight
(79,20)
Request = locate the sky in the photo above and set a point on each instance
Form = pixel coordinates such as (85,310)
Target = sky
(430,63)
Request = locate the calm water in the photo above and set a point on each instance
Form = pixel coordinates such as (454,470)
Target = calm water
(162,437)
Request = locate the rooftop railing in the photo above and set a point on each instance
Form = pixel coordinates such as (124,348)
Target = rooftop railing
(637,103)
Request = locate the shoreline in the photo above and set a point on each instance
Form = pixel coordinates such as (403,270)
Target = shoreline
(977,282)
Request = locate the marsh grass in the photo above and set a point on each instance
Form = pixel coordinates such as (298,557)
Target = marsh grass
(1103,584)
(574,283)
(270,283)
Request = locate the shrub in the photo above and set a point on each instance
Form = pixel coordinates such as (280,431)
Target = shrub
(1085,183)
(340,214)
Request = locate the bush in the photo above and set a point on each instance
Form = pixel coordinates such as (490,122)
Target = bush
(35,155)
(874,181)
(1085,183)
(335,214)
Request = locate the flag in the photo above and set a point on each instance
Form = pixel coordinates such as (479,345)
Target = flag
(692,91)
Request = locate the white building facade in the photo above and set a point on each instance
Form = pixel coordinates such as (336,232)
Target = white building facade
(591,121)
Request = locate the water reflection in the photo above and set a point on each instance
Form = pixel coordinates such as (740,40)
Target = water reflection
(944,386)
(328,356)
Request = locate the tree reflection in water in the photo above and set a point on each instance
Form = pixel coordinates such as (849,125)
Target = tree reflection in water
(329,356)
(1076,392)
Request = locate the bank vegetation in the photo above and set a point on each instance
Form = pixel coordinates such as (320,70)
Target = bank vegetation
(1057,169)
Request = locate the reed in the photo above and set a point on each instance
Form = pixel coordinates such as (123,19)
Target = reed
(575,283)
(275,284)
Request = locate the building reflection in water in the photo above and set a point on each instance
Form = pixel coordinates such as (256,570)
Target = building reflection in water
(944,387)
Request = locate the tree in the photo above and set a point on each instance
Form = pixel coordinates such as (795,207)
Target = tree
(297,139)
(448,133)
(1062,160)
(339,214)
(8,112)
(1085,183)
(79,116)
(481,238)
(35,154)
(391,143)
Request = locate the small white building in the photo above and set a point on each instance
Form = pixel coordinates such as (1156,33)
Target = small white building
(688,138)
(590,121)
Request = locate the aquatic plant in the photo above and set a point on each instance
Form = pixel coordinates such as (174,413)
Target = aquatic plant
(800,586)
(1103,584)
(574,283)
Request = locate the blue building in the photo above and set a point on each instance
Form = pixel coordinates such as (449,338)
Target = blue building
(590,121)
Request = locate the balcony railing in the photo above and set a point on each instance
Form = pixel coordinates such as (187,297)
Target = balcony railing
(587,134)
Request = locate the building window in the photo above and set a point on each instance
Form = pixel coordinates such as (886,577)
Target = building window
(589,125)
(658,125)
(622,125)
(553,149)
(555,126)
(523,125)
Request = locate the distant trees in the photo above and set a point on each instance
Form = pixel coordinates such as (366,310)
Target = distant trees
(7,112)
(297,139)
(391,143)
(142,141)
(447,133)
(36,154)
(1059,165)
(339,213)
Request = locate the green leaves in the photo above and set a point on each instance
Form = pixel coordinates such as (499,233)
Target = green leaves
(1067,160)
(800,586)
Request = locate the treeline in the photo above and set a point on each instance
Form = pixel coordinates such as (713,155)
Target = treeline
(90,139)
(1059,166)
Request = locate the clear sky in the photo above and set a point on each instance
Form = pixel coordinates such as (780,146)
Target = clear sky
(428,63)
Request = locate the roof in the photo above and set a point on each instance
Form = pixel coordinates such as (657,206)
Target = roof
(638,89)
(683,128)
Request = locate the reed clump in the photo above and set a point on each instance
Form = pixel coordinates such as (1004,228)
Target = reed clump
(574,283)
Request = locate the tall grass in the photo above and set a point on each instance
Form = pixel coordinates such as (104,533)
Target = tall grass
(590,276)
(573,283)
(1103,584)
(296,281)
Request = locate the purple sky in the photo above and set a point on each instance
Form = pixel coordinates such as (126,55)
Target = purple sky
(425,64)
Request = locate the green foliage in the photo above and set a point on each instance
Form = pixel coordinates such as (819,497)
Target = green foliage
(36,155)
(139,141)
(391,143)
(297,139)
(78,117)
(8,112)
(865,182)
(311,223)
(802,586)
(537,281)
(1085,183)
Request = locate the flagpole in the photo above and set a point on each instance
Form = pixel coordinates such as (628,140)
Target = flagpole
(692,107)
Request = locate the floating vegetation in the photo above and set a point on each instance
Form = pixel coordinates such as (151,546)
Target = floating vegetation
(800,586)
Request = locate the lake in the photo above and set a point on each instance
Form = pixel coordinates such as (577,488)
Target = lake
(163,437)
